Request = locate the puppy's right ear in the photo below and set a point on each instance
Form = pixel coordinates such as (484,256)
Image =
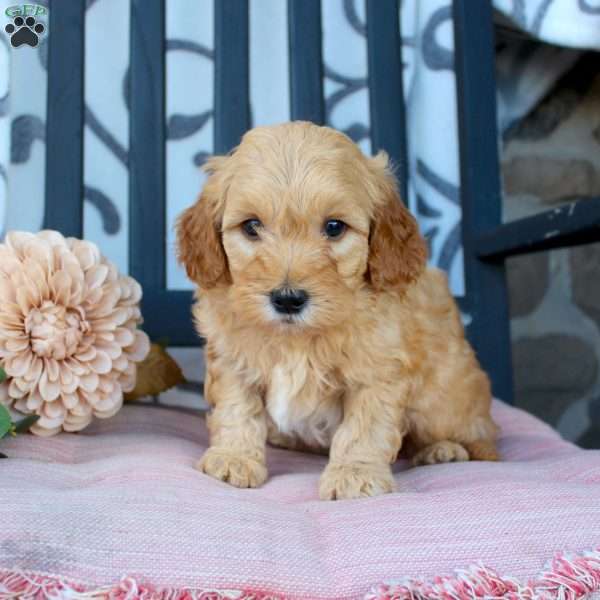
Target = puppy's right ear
(199,246)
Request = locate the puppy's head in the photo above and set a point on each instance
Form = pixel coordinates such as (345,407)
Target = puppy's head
(294,223)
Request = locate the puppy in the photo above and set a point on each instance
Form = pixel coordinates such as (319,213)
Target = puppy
(325,329)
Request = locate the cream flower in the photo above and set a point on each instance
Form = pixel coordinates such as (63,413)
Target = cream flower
(69,341)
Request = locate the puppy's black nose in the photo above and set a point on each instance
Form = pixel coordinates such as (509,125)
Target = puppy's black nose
(288,301)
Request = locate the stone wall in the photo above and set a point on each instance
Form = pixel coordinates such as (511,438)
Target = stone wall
(549,158)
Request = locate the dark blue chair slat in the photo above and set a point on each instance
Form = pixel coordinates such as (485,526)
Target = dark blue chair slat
(147,225)
(232,104)
(306,63)
(385,86)
(570,225)
(166,313)
(167,316)
(64,120)
(480,189)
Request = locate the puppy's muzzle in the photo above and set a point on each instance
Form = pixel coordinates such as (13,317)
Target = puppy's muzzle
(288,301)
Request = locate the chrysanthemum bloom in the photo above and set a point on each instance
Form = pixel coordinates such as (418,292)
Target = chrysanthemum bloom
(69,340)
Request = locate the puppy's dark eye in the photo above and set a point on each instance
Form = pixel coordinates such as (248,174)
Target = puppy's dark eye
(334,229)
(250,228)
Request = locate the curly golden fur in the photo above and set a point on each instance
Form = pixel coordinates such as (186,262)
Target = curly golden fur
(378,355)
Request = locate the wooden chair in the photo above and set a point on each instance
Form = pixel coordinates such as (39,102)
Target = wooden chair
(486,241)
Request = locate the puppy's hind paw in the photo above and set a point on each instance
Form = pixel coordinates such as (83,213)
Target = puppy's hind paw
(483,450)
(355,480)
(440,452)
(237,470)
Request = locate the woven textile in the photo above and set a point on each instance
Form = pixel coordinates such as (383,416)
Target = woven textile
(122,499)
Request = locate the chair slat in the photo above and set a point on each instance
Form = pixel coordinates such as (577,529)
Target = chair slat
(386,94)
(147,218)
(232,103)
(570,225)
(167,316)
(480,189)
(64,119)
(306,62)
(147,144)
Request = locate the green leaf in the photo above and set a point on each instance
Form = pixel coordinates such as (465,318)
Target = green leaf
(5,421)
(2,375)
(23,425)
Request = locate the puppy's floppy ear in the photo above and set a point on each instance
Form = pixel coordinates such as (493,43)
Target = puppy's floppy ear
(199,246)
(397,251)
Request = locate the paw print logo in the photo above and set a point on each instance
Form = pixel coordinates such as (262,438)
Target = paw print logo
(24,31)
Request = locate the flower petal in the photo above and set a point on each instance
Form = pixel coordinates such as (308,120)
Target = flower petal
(48,389)
(21,405)
(43,430)
(101,363)
(34,401)
(77,425)
(95,276)
(140,348)
(111,294)
(35,369)
(69,388)
(24,299)
(18,365)
(83,409)
(52,369)
(17,240)
(70,400)
(87,253)
(124,337)
(60,284)
(111,348)
(87,354)
(109,405)
(54,409)
(120,363)
(49,425)
(17,344)
(89,382)
(76,367)
(53,238)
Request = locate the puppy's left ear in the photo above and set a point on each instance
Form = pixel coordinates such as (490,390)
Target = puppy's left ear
(397,251)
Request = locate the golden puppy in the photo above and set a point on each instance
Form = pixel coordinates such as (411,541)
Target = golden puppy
(325,330)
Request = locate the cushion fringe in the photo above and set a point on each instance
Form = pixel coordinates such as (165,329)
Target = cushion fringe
(27,586)
(565,577)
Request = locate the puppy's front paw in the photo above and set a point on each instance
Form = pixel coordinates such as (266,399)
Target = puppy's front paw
(355,480)
(237,470)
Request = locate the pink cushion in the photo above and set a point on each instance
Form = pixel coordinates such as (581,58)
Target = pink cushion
(123,499)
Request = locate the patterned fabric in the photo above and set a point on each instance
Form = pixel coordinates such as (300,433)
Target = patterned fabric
(563,22)
(434,180)
(123,499)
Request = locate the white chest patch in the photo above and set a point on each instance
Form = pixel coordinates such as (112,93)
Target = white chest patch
(279,399)
(298,407)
